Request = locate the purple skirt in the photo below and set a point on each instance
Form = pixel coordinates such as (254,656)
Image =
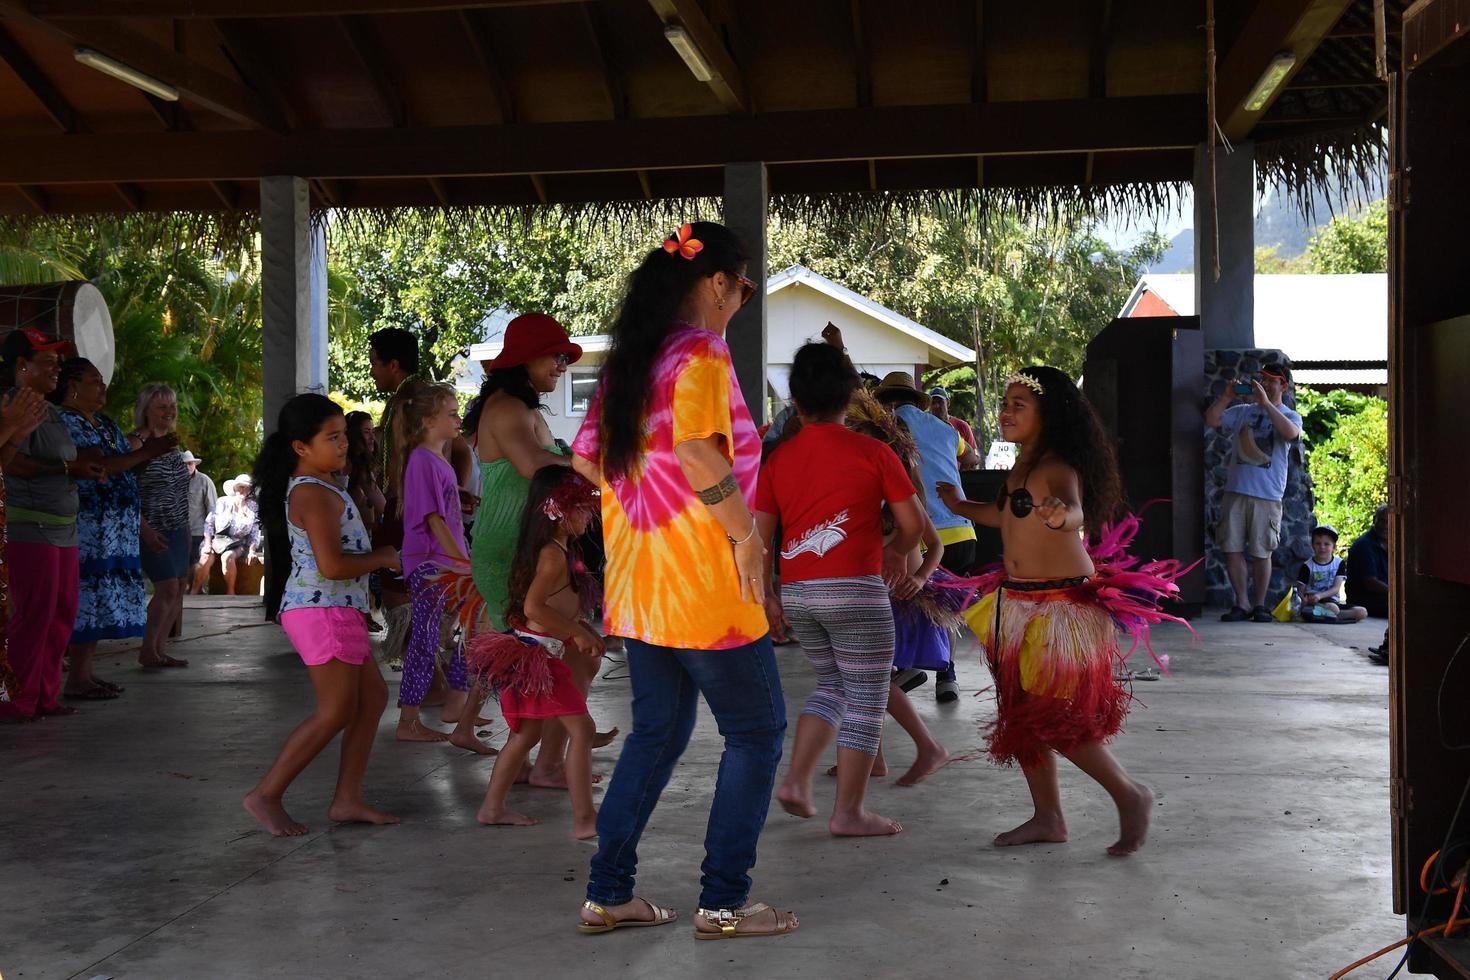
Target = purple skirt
(918,640)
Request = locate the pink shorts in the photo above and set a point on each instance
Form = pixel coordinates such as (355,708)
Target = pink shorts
(329,633)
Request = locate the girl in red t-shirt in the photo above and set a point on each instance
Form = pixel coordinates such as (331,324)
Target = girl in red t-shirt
(826,488)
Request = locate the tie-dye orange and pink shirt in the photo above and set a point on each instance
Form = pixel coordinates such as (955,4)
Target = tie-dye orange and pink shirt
(671,579)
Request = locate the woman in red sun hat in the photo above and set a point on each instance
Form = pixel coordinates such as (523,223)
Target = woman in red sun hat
(513,442)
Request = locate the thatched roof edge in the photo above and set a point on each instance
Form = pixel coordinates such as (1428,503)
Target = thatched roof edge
(1349,163)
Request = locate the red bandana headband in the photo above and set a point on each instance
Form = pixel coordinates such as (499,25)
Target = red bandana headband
(683,244)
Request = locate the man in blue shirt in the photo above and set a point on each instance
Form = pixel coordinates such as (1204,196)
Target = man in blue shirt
(1261,432)
(1367,567)
(942,452)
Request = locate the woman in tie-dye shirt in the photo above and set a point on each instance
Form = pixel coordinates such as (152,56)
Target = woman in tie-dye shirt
(670,440)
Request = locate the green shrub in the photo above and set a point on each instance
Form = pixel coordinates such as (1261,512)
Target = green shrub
(1347,439)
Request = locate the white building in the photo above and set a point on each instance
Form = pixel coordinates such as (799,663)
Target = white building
(1334,328)
(799,303)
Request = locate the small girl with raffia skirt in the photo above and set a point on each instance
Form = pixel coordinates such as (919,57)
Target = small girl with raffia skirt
(1049,620)
(552,597)
(434,559)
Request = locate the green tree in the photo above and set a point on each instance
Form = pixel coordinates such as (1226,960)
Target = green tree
(1350,470)
(1351,243)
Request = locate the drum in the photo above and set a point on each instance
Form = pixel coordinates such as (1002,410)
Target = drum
(73,311)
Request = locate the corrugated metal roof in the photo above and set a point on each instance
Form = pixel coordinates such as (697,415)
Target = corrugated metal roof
(1310,317)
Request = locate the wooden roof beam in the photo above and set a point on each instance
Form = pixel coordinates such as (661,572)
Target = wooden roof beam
(862,56)
(36,82)
(363,38)
(212,9)
(979,83)
(198,84)
(36,197)
(228,194)
(130,194)
(1097,61)
(441,191)
(898,132)
(538,184)
(612,82)
(477,32)
(1273,26)
(242,46)
(726,81)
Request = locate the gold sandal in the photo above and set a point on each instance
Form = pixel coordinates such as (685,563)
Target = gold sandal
(727,919)
(661,917)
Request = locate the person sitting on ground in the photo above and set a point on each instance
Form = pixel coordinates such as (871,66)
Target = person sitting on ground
(231,534)
(1320,580)
(1367,567)
(1261,432)
(939,408)
(202,498)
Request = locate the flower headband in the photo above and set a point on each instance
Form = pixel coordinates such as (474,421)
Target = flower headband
(572,493)
(1025,379)
(683,244)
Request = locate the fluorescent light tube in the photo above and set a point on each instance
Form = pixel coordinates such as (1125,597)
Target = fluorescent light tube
(689,51)
(1270,80)
(126,73)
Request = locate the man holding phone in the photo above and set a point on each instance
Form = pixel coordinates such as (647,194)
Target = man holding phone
(1261,431)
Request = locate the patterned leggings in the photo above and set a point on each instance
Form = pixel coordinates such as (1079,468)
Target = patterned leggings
(845,627)
(426,638)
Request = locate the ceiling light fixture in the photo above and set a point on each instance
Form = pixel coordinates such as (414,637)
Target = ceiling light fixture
(1270,81)
(689,51)
(126,73)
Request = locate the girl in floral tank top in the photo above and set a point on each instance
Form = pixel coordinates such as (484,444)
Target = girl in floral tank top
(321,600)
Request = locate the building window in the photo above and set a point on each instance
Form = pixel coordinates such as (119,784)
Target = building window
(579,392)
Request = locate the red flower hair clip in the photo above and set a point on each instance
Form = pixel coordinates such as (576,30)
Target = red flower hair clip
(572,493)
(684,245)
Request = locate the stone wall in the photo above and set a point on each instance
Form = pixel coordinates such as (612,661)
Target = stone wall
(1297,511)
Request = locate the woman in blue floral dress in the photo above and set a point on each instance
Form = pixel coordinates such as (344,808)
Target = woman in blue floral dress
(113,590)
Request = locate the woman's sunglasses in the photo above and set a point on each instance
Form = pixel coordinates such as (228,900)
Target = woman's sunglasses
(747,288)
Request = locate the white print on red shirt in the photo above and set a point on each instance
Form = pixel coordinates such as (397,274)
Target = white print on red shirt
(819,538)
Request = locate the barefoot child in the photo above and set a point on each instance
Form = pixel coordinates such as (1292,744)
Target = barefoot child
(321,594)
(922,614)
(826,487)
(433,542)
(1049,628)
(551,596)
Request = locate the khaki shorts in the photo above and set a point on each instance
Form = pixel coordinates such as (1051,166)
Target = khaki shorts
(1248,524)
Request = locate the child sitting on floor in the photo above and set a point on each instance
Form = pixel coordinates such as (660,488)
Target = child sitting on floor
(1049,629)
(551,597)
(1320,580)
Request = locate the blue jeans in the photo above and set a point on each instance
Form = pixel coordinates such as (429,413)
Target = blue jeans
(743,690)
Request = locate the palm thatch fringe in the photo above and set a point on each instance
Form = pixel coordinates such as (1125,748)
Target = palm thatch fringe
(223,233)
(1348,163)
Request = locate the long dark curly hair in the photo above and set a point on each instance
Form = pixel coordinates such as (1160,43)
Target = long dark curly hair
(1071,431)
(514,381)
(650,303)
(537,531)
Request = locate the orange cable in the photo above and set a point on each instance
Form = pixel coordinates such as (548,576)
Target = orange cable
(1449,928)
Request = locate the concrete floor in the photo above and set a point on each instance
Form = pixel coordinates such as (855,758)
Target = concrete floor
(125,852)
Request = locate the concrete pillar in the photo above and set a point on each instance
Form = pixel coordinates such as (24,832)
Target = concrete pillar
(746,198)
(293,295)
(1226,307)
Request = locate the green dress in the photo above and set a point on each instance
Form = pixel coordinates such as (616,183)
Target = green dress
(497,526)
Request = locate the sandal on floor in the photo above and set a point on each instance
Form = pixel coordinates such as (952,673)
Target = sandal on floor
(114,688)
(162,662)
(661,917)
(726,921)
(98,693)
